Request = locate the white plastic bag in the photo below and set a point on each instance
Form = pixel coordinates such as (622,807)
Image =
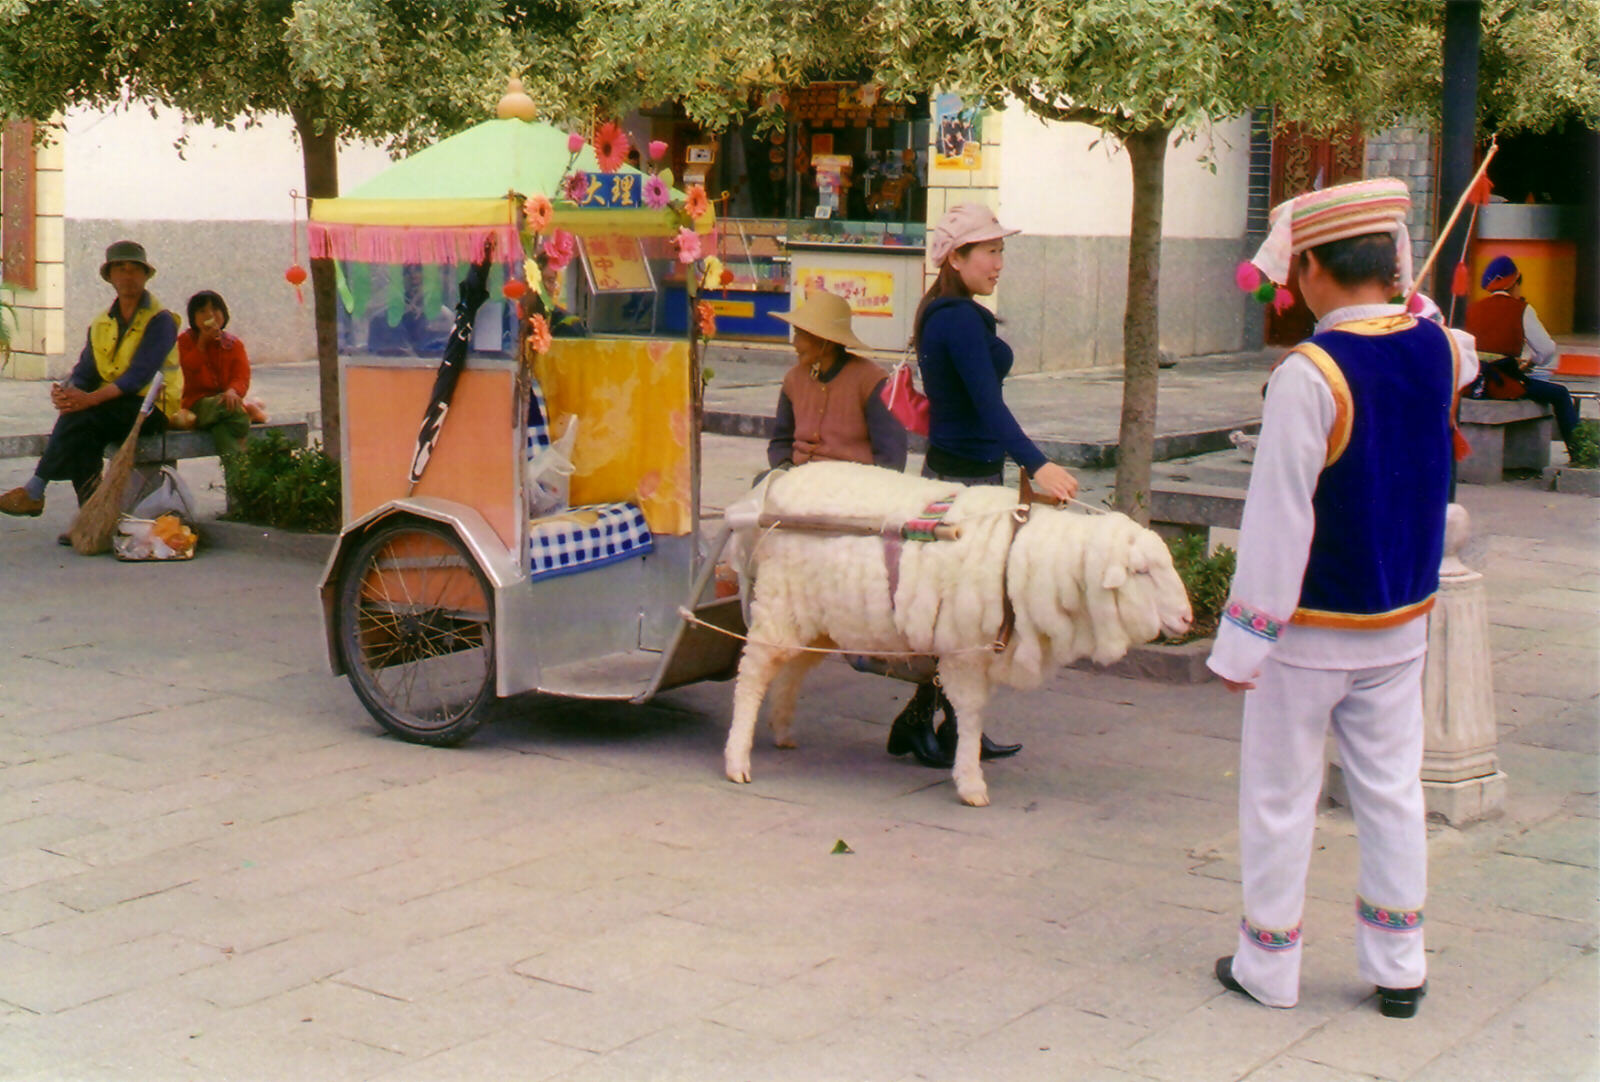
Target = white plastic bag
(166,492)
(547,480)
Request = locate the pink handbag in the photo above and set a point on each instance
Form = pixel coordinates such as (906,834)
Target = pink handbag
(909,405)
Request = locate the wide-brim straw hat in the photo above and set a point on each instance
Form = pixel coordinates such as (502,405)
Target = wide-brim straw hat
(125,251)
(826,315)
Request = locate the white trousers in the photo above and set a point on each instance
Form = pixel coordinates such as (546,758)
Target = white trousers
(1376,716)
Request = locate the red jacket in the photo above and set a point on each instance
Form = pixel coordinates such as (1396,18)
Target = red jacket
(212,369)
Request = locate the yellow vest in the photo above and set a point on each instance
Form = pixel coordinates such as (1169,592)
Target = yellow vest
(112,358)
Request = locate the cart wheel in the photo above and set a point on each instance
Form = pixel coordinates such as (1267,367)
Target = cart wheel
(416,625)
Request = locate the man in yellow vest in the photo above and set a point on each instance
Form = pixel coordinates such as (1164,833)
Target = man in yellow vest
(127,345)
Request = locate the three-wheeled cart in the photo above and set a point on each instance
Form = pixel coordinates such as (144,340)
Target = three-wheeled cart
(443,595)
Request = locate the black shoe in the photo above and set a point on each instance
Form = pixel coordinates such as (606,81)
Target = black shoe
(64,539)
(1400,1002)
(1225,978)
(947,737)
(913,731)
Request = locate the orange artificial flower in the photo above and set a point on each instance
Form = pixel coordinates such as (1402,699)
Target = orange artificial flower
(697,204)
(706,318)
(537,210)
(538,333)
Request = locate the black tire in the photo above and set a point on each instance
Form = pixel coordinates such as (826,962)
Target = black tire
(416,630)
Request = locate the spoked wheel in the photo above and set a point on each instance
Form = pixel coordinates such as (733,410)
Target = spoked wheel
(416,627)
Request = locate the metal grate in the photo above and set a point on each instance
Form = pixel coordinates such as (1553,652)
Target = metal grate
(1259,200)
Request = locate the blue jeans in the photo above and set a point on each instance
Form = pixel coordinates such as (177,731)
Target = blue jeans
(1559,399)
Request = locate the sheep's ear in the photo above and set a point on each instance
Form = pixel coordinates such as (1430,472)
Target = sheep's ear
(1115,576)
(1138,556)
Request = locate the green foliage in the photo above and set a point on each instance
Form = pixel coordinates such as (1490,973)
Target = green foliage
(1207,578)
(1584,451)
(271,482)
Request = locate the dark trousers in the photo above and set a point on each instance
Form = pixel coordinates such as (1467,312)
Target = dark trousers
(77,442)
(1559,399)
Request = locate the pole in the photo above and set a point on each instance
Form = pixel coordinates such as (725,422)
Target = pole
(1457,131)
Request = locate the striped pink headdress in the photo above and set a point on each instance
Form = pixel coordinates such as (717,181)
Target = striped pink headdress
(1344,210)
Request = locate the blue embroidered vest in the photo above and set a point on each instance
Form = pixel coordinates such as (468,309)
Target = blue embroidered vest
(1381,498)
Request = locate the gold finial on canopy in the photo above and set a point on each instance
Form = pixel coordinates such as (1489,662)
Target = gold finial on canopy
(515,102)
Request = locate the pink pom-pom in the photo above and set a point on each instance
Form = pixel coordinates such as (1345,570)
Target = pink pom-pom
(1247,276)
(1282,300)
(1415,305)
(574,143)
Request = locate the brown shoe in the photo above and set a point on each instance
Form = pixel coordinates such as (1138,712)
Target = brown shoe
(18,502)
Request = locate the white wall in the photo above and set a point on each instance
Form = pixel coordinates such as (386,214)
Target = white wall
(1052,183)
(123,165)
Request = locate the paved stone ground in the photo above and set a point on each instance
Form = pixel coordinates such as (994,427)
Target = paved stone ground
(214,866)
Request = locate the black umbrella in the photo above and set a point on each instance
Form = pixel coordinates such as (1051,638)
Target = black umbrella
(474,291)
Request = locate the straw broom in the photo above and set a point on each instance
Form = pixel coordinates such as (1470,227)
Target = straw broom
(97,519)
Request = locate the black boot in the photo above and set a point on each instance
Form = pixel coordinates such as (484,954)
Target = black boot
(913,730)
(947,737)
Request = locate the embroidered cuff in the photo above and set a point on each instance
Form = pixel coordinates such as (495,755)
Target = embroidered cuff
(1389,920)
(1270,939)
(1254,621)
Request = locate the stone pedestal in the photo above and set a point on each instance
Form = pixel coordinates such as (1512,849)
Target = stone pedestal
(1461,777)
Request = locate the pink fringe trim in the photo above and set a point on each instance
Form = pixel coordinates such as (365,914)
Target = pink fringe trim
(408,244)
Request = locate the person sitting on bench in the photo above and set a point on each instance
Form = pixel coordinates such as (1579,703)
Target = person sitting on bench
(1505,325)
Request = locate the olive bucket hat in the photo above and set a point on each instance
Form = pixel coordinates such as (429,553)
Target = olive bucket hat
(125,251)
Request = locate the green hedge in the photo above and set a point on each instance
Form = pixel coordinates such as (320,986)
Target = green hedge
(271,482)
(1207,577)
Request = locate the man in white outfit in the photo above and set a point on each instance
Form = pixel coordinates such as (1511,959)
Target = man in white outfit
(1339,552)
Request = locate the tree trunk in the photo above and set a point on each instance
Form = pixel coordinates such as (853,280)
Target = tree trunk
(321,154)
(1141,324)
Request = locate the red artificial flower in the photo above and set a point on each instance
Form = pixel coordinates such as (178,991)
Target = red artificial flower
(658,150)
(610,146)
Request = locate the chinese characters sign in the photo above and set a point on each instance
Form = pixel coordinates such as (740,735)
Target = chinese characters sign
(616,265)
(870,293)
(613,190)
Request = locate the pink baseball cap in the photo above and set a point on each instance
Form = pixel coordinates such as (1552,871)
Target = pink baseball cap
(963,224)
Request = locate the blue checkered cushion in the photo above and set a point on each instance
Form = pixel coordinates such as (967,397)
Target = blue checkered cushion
(538,421)
(559,547)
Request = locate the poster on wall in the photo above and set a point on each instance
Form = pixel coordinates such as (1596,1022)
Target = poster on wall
(958,133)
(870,293)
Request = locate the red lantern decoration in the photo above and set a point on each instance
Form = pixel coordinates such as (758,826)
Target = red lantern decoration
(296,276)
(514,289)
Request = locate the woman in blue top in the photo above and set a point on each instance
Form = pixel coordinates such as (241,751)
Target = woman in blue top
(971,433)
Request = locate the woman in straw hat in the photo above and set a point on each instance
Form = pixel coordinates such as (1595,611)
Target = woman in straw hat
(971,432)
(829,407)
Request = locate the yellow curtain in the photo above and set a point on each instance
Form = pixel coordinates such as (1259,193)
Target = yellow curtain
(631,398)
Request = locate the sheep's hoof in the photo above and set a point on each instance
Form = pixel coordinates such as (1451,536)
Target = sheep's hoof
(975,798)
(737,772)
(785,742)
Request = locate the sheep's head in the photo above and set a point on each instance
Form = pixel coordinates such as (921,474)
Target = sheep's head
(1170,597)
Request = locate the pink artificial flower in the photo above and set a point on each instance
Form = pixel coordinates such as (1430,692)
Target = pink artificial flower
(658,150)
(559,249)
(656,192)
(575,143)
(577,187)
(688,243)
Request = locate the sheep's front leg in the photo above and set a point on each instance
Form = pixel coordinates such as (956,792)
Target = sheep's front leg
(966,685)
(756,669)
(782,693)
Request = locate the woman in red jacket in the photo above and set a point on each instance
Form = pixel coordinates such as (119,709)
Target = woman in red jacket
(216,373)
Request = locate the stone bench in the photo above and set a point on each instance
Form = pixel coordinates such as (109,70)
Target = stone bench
(1177,509)
(1504,435)
(165,446)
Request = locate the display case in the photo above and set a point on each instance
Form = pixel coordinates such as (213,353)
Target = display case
(896,238)
(753,250)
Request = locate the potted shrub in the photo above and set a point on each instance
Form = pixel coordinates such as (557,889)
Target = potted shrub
(1581,475)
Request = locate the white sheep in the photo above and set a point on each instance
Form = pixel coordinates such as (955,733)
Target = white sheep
(1080,585)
